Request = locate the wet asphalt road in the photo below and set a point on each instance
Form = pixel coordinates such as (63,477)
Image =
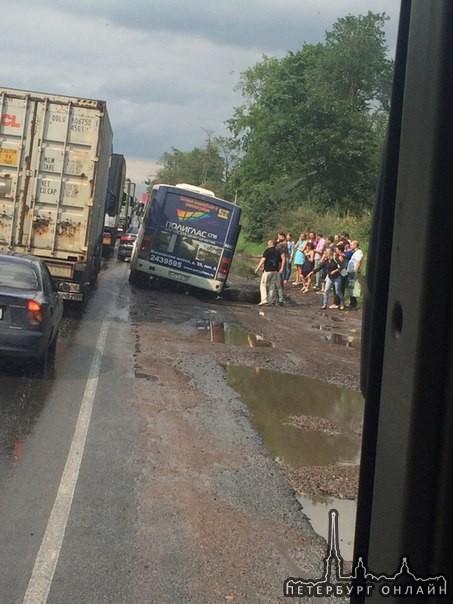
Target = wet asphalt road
(102,500)
(37,424)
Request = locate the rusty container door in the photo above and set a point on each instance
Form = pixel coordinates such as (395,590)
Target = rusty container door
(65,154)
(16,136)
(57,151)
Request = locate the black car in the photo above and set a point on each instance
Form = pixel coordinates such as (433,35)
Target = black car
(127,243)
(30,310)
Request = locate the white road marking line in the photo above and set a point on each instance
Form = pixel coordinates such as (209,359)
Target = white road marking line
(49,552)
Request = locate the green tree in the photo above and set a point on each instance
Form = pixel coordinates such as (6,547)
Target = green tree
(207,167)
(310,129)
(356,61)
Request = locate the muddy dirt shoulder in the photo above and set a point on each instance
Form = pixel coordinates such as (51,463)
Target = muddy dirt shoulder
(321,344)
(304,340)
(230,507)
(297,339)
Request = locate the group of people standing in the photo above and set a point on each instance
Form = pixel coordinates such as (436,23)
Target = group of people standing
(322,264)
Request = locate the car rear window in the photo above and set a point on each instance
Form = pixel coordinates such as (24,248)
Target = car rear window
(19,276)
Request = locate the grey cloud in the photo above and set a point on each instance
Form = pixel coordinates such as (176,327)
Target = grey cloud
(271,26)
(148,92)
(167,68)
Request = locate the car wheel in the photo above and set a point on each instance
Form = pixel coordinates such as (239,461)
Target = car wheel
(45,366)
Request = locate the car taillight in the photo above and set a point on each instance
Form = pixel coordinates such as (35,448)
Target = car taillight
(35,315)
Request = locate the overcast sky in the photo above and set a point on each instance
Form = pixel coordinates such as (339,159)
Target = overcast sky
(167,68)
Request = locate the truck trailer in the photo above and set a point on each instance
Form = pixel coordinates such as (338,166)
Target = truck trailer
(54,162)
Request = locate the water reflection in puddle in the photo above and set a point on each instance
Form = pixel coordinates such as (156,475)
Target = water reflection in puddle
(342,340)
(349,341)
(317,511)
(229,333)
(272,398)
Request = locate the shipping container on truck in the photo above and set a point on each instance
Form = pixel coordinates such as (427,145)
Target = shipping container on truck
(187,235)
(113,201)
(54,161)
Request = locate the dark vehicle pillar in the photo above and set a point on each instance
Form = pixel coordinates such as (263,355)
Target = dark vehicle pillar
(406,480)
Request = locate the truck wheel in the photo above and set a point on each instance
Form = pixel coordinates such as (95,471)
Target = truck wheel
(94,277)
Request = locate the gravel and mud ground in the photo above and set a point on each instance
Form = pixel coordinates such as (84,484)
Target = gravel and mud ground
(302,339)
(201,456)
(320,344)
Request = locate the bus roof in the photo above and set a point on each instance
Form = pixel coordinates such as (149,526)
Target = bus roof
(196,189)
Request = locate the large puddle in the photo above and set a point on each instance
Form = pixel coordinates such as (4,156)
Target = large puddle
(274,400)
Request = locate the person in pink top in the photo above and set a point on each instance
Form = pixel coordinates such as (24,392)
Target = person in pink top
(320,246)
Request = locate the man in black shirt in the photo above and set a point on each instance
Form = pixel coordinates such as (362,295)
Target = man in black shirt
(271,261)
(282,247)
